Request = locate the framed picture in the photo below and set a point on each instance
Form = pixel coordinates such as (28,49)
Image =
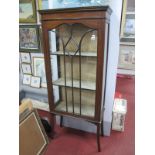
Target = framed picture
(38,67)
(25,57)
(129,30)
(39,70)
(27,11)
(29,38)
(127,57)
(43,4)
(26,79)
(31,131)
(26,68)
(123,17)
(35,81)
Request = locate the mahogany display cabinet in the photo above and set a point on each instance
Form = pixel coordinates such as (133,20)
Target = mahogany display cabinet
(75,42)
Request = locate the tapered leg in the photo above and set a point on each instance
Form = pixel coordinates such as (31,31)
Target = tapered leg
(52,122)
(98,136)
(61,121)
(102,132)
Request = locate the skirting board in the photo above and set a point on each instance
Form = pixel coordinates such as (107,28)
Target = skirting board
(83,125)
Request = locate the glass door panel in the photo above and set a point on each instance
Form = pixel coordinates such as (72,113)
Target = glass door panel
(73,49)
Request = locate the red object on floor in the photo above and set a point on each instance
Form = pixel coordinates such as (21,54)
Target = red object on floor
(125,76)
(118,95)
(74,142)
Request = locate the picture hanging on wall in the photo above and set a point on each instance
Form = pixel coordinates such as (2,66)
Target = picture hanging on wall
(127,57)
(29,38)
(26,79)
(123,17)
(35,81)
(25,57)
(26,68)
(129,30)
(27,11)
(39,69)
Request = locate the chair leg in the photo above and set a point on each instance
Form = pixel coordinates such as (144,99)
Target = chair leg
(61,121)
(98,136)
(102,131)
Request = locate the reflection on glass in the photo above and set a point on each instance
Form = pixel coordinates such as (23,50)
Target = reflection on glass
(74,60)
(78,3)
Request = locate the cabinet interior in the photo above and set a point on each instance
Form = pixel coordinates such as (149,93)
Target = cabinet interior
(75,53)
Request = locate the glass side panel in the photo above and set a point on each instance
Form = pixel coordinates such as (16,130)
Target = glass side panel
(73,49)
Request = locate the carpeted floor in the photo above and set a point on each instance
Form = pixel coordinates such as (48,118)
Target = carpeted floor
(75,142)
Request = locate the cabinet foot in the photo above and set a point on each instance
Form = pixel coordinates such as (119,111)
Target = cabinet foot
(61,121)
(102,131)
(98,136)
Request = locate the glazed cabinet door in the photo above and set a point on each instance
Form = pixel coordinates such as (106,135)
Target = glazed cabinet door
(73,50)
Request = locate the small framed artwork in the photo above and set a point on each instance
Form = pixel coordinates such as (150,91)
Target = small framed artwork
(35,81)
(27,11)
(39,69)
(127,57)
(26,79)
(25,57)
(129,29)
(29,38)
(123,17)
(26,68)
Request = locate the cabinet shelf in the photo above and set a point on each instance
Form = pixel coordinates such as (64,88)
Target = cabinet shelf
(90,85)
(87,54)
(86,110)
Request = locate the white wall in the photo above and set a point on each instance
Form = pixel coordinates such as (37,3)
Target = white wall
(116,6)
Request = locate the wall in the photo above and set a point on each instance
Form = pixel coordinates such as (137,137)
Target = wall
(112,63)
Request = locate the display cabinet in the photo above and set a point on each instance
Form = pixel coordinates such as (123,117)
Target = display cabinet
(75,42)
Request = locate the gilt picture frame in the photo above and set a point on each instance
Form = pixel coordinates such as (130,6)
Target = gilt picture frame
(29,38)
(39,70)
(127,30)
(123,17)
(27,11)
